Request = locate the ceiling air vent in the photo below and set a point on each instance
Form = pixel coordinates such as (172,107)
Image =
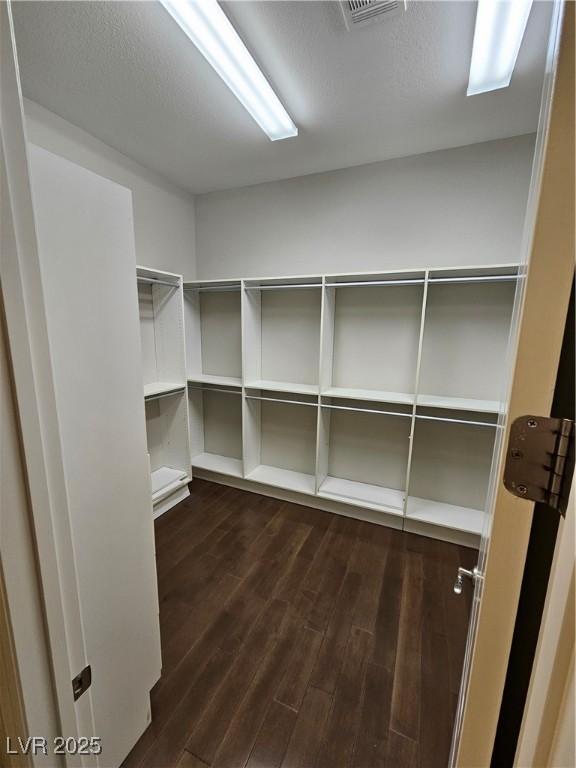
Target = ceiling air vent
(358,13)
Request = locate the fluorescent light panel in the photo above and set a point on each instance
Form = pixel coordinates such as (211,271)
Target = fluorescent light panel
(500,26)
(208,27)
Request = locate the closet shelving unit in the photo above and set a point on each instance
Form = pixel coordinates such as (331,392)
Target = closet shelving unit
(281,356)
(379,391)
(212,312)
(164,375)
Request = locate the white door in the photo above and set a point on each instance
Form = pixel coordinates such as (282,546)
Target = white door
(69,285)
(536,339)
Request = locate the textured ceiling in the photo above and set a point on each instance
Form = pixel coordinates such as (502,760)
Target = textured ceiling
(124,72)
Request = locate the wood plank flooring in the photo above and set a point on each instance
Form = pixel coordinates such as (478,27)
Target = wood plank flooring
(293,638)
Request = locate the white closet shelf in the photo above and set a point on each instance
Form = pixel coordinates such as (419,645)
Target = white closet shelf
(459,403)
(162,388)
(375,395)
(209,378)
(283,386)
(215,462)
(165,480)
(363,494)
(446,515)
(283,478)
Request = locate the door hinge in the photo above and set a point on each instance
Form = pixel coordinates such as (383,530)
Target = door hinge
(82,682)
(540,460)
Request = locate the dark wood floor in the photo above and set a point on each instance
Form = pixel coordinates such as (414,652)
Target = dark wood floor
(296,638)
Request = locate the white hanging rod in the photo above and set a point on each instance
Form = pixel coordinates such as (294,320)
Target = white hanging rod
(218,288)
(159,395)
(208,388)
(153,281)
(279,400)
(283,286)
(353,284)
(347,284)
(475,279)
(458,421)
(366,410)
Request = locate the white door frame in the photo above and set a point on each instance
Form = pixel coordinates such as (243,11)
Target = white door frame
(553,672)
(550,240)
(22,291)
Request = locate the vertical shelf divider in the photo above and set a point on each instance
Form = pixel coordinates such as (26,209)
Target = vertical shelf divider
(326,335)
(322,446)
(243,332)
(324,374)
(416,390)
(251,368)
(193,338)
(243,400)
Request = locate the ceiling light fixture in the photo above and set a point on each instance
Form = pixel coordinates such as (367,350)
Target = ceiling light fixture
(500,26)
(208,27)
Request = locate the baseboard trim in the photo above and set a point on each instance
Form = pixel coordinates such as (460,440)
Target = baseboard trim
(461,538)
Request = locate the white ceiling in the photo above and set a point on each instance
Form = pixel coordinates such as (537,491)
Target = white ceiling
(124,72)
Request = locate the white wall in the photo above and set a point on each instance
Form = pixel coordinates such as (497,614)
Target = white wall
(458,206)
(163,214)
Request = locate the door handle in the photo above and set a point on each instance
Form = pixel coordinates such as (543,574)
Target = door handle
(474,575)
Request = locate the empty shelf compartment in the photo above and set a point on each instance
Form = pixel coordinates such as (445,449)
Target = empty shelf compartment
(371,338)
(363,494)
(165,480)
(213,335)
(283,478)
(460,403)
(161,337)
(216,430)
(450,473)
(363,458)
(222,381)
(168,447)
(225,465)
(280,446)
(283,386)
(282,339)
(465,343)
(162,388)
(446,515)
(374,395)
